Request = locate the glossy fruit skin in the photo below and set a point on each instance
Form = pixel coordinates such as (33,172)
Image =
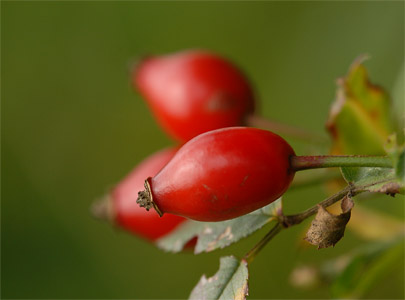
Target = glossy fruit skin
(224,174)
(128,215)
(194,91)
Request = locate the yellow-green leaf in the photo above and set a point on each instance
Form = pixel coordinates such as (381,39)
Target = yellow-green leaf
(360,119)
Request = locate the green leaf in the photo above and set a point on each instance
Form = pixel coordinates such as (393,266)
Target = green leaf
(214,235)
(360,119)
(364,176)
(230,282)
(376,180)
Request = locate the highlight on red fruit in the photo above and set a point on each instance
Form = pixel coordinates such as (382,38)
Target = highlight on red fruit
(221,174)
(120,207)
(194,91)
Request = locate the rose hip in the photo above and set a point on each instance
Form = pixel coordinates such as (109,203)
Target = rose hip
(221,174)
(122,210)
(193,91)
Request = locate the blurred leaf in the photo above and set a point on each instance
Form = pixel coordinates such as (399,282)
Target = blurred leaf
(399,100)
(365,268)
(214,235)
(360,118)
(230,282)
(374,225)
(327,229)
(351,275)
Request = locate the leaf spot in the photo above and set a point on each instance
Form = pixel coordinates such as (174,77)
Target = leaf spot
(207,230)
(226,234)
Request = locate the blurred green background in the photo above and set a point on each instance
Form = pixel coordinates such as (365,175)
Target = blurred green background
(72,127)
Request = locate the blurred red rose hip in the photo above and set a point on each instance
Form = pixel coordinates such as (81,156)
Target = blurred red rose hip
(122,209)
(193,91)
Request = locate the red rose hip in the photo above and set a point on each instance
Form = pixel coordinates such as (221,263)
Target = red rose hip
(221,174)
(120,204)
(192,92)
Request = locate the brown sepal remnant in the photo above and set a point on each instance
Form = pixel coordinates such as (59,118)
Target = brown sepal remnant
(327,229)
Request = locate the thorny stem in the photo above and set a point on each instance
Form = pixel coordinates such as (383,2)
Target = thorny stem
(285,130)
(288,221)
(299,163)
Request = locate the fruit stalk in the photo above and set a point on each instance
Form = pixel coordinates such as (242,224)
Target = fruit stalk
(299,163)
